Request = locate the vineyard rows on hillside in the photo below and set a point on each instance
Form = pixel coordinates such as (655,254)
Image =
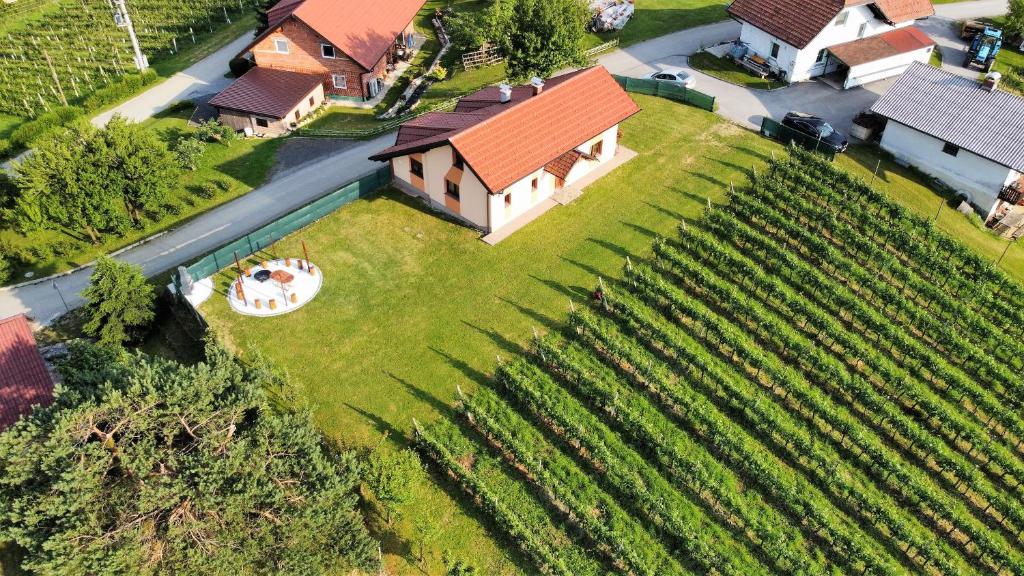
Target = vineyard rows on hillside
(64,50)
(808,380)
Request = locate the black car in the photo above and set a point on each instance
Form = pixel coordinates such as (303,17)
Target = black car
(817,129)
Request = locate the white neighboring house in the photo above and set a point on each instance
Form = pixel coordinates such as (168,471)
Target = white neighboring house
(968,134)
(852,41)
(505,151)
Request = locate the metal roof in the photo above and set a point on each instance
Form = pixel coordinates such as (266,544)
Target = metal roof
(958,110)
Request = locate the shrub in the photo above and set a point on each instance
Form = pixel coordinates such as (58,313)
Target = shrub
(188,151)
(65,247)
(119,302)
(43,125)
(440,73)
(206,190)
(239,66)
(213,131)
(5,267)
(120,89)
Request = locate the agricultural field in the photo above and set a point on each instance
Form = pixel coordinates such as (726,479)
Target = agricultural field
(61,51)
(809,379)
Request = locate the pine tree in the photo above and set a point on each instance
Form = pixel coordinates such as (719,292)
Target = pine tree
(145,466)
(119,302)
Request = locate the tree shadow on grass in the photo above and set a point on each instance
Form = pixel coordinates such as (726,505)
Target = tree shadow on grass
(423,396)
(501,341)
(570,292)
(717,182)
(382,425)
(611,247)
(651,234)
(460,365)
(668,212)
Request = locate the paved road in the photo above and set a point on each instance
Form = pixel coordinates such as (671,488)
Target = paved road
(284,193)
(203,77)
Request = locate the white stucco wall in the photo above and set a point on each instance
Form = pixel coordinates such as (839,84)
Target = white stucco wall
(801,64)
(979,178)
(886,67)
(437,164)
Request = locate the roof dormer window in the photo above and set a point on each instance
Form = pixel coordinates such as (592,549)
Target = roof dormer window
(327,51)
(842,18)
(281,45)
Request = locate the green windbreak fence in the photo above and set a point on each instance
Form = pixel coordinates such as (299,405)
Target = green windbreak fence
(775,130)
(667,90)
(267,235)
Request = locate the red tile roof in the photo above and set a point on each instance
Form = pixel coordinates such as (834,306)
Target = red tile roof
(893,43)
(503,143)
(362,29)
(797,22)
(562,165)
(267,92)
(24,380)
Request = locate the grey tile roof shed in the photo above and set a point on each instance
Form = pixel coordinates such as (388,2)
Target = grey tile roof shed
(958,110)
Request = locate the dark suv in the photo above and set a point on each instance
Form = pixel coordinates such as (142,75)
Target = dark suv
(816,128)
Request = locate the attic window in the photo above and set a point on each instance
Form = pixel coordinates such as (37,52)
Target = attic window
(281,45)
(327,51)
(951,149)
(842,18)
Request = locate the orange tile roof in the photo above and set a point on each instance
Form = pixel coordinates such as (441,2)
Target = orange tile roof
(872,48)
(562,165)
(798,22)
(24,379)
(503,143)
(362,29)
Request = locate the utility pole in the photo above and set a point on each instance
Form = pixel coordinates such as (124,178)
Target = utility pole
(123,19)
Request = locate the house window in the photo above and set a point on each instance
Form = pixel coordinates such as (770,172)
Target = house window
(508,200)
(597,148)
(822,55)
(340,81)
(262,122)
(535,184)
(451,189)
(775,49)
(327,51)
(842,18)
(281,45)
(416,167)
(459,162)
(312,101)
(951,149)
(862,30)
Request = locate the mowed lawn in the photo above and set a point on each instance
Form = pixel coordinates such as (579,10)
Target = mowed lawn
(414,305)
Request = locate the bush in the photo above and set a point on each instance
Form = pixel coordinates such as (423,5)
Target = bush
(128,85)
(206,190)
(119,302)
(5,267)
(43,125)
(239,66)
(188,151)
(440,73)
(65,247)
(214,131)
(222,184)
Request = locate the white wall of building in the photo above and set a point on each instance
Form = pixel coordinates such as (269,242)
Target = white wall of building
(979,178)
(803,64)
(886,67)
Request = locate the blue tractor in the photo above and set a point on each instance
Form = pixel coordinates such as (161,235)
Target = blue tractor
(984,48)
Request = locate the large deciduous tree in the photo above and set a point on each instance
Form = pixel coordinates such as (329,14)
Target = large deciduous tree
(94,180)
(1015,17)
(119,302)
(145,466)
(538,37)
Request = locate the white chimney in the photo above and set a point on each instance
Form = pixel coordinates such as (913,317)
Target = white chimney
(992,81)
(504,93)
(538,85)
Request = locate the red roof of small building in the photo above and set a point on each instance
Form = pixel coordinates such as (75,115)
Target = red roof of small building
(798,22)
(872,48)
(503,143)
(562,165)
(362,29)
(267,92)
(24,380)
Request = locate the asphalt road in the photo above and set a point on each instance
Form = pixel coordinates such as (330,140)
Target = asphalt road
(307,182)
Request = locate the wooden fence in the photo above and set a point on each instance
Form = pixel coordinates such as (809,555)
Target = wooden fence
(485,56)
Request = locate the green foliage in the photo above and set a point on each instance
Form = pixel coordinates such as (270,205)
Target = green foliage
(467,30)
(44,125)
(213,131)
(188,151)
(440,73)
(239,66)
(145,466)
(119,302)
(538,37)
(391,476)
(124,87)
(5,266)
(1015,18)
(95,180)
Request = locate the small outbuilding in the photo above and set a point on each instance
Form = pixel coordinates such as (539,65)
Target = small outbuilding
(269,101)
(25,381)
(968,134)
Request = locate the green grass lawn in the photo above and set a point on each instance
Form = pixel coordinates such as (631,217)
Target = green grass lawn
(244,165)
(414,305)
(729,71)
(655,18)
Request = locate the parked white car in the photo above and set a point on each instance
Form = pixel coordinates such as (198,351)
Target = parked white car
(677,76)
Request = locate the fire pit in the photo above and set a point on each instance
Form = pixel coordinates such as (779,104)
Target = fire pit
(275,287)
(262,275)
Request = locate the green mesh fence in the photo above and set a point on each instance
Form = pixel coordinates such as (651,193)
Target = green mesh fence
(776,130)
(667,90)
(258,240)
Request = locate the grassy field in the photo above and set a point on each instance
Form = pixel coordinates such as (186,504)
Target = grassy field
(655,18)
(415,305)
(241,167)
(728,70)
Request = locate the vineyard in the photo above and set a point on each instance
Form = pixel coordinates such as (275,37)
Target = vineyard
(809,380)
(59,51)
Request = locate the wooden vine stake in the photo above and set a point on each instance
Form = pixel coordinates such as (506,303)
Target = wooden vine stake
(536,338)
(305,254)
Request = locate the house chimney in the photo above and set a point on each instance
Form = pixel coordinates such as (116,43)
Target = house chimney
(991,81)
(504,93)
(538,85)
